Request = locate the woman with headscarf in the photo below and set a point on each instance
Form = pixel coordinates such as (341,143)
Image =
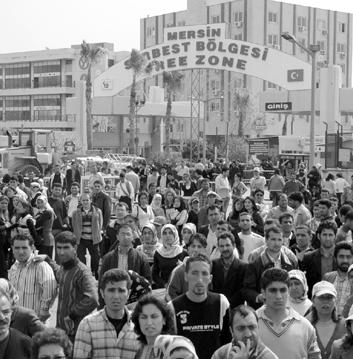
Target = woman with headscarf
(174,347)
(188,230)
(156,205)
(168,256)
(149,240)
(44,223)
(179,216)
(23,319)
(298,292)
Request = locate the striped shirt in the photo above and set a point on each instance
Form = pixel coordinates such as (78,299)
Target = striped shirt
(86,225)
(35,283)
(96,339)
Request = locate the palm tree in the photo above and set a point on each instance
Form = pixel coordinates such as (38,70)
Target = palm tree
(172,83)
(90,55)
(137,64)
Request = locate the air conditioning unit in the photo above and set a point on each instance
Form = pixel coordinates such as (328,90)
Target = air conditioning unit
(342,55)
(324,32)
(301,28)
(322,52)
(239,24)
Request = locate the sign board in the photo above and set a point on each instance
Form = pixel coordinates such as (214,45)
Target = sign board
(206,47)
(258,146)
(278,106)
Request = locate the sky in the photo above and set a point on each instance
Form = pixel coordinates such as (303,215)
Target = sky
(39,24)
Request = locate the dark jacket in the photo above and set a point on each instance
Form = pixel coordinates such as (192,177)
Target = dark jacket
(251,286)
(102,201)
(19,346)
(311,265)
(137,261)
(230,285)
(26,321)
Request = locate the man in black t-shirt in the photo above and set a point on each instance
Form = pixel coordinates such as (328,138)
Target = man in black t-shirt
(201,316)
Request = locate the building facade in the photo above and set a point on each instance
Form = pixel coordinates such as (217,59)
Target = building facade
(260,22)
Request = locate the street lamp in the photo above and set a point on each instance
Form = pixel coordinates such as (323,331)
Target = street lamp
(311,51)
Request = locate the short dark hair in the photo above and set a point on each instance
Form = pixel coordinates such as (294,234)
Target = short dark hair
(51,336)
(258,190)
(343,211)
(66,237)
(115,275)
(225,168)
(325,202)
(98,181)
(167,313)
(58,185)
(348,215)
(124,225)
(305,227)
(23,237)
(227,235)
(284,216)
(142,193)
(327,225)
(243,310)
(198,258)
(296,196)
(274,275)
(198,237)
(212,208)
(273,229)
(342,246)
(244,213)
(75,184)
(14,178)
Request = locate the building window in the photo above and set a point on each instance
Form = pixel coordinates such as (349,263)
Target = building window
(321,24)
(238,83)
(301,21)
(215,19)
(214,106)
(343,67)
(271,85)
(322,45)
(238,37)
(182,23)
(17,76)
(238,16)
(341,27)
(215,85)
(272,17)
(47,108)
(273,40)
(341,48)
(17,108)
(46,67)
(151,31)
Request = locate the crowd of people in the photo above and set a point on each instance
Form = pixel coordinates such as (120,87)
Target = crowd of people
(184,261)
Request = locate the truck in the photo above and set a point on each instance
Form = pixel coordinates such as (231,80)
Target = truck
(31,153)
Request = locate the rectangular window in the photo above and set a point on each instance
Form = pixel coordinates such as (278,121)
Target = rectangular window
(214,106)
(321,24)
(238,37)
(322,45)
(272,17)
(301,21)
(341,27)
(17,76)
(238,16)
(343,67)
(238,83)
(273,40)
(45,67)
(182,23)
(151,31)
(341,48)
(68,80)
(215,19)
(271,85)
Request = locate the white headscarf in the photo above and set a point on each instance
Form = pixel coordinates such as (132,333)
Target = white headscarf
(170,250)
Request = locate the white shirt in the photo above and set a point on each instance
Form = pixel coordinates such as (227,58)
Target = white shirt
(222,186)
(250,242)
(340,185)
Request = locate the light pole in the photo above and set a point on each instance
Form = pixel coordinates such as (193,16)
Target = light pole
(138,104)
(311,51)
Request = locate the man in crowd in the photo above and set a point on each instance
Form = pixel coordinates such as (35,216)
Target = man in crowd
(124,191)
(177,283)
(212,197)
(34,280)
(273,256)
(325,210)
(344,233)
(109,332)
(87,226)
(125,257)
(133,178)
(279,324)
(317,263)
(57,177)
(162,181)
(209,231)
(72,201)
(245,343)
(190,309)
(202,193)
(301,214)
(302,242)
(344,258)
(249,239)
(94,176)
(222,187)
(282,208)
(13,344)
(78,295)
(61,220)
(102,201)
(286,223)
(292,185)
(228,272)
